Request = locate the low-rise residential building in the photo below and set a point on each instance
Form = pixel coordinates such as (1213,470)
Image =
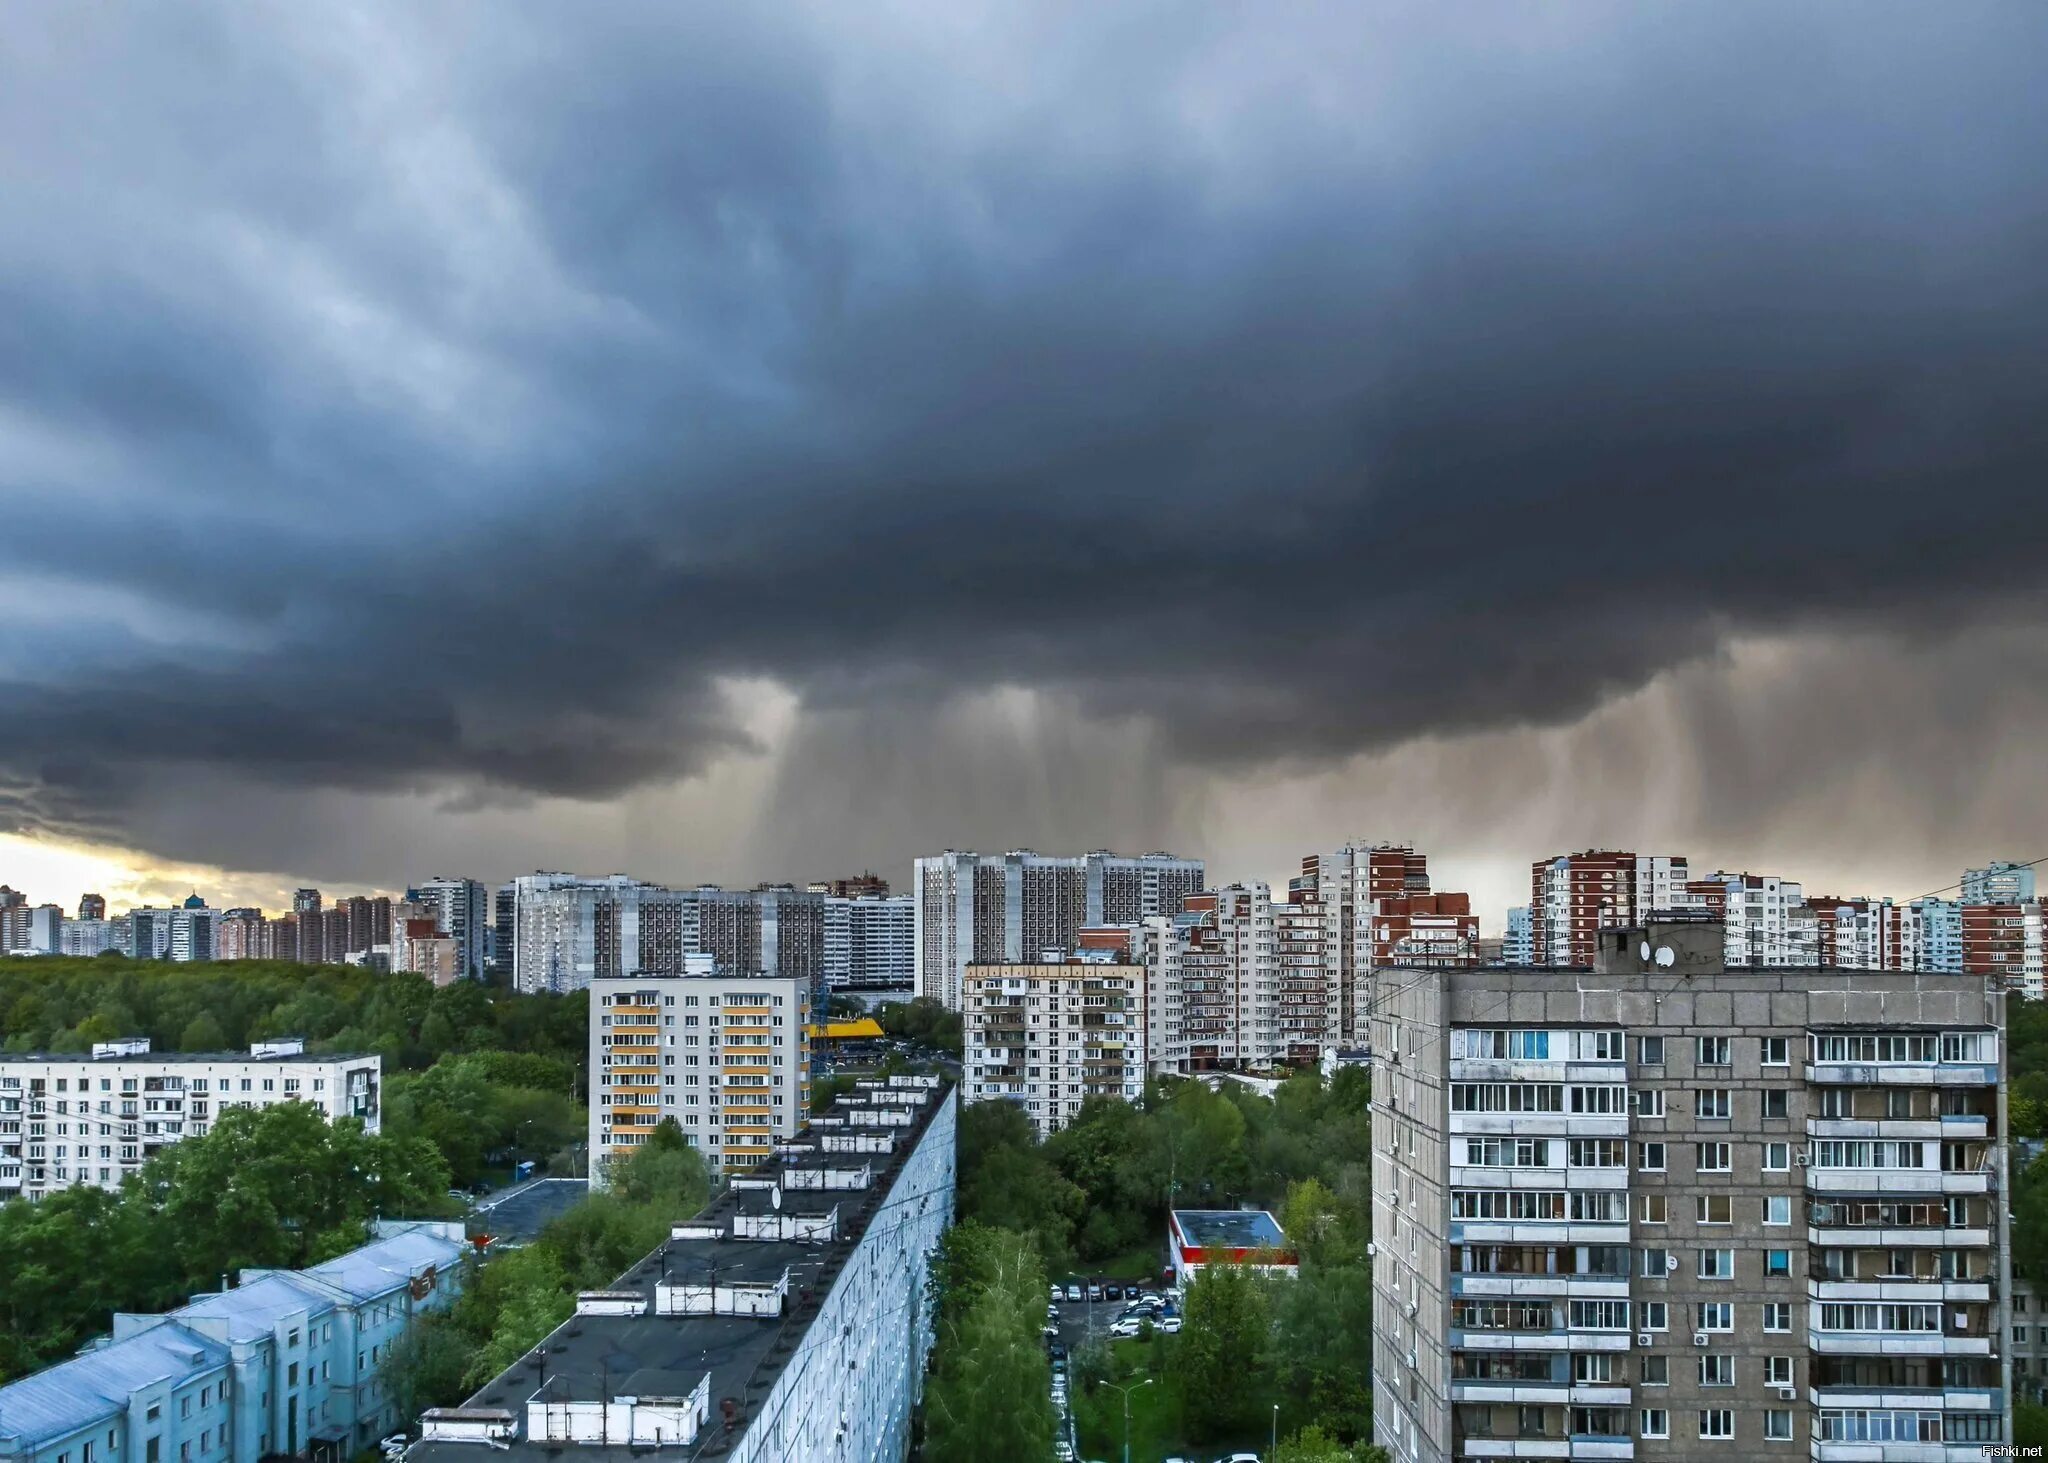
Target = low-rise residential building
(1051,1033)
(789,1322)
(288,1363)
(73,1119)
(728,1057)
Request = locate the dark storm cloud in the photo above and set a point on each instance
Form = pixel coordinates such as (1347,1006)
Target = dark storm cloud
(464,401)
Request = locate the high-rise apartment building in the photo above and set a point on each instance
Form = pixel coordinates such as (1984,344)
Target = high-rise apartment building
(1999,883)
(861,886)
(569,930)
(1007,907)
(776,929)
(1667,1206)
(46,929)
(1354,884)
(504,931)
(70,1119)
(91,906)
(14,928)
(726,1056)
(1574,896)
(2006,942)
(1212,982)
(91,936)
(243,935)
(1518,945)
(1307,1014)
(870,941)
(1048,1034)
(309,928)
(461,910)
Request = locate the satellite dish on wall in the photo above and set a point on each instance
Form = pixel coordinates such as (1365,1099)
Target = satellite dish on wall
(1666,956)
(1645,952)
(775,1197)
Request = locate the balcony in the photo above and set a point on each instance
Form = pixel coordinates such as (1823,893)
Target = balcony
(1504,1392)
(1471,1447)
(1540,1124)
(1821,1452)
(1909,1399)
(1926,1290)
(1577,1287)
(1904,1074)
(1535,1232)
(1897,1181)
(1897,1343)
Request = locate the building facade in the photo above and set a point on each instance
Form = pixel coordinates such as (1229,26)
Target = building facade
(1574,896)
(1999,883)
(726,1056)
(287,1363)
(1049,1034)
(1667,1206)
(461,909)
(2005,942)
(870,941)
(982,907)
(96,1119)
(789,1322)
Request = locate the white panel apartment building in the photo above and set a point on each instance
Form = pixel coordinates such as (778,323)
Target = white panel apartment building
(1010,906)
(69,1119)
(461,909)
(789,1322)
(569,930)
(725,1056)
(1049,1034)
(870,942)
(1668,1206)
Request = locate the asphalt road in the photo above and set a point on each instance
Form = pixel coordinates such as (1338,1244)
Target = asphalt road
(520,1213)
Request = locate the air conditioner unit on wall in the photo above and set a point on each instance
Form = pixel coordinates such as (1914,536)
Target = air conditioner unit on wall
(1788,1394)
(1645,1338)
(1699,1338)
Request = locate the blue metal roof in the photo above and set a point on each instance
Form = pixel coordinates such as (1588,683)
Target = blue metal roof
(95,1386)
(383,1265)
(1235,1229)
(253,1310)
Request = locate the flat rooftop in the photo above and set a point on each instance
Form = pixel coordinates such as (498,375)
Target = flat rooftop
(593,1357)
(1230,1229)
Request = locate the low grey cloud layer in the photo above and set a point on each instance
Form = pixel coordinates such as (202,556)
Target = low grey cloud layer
(436,402)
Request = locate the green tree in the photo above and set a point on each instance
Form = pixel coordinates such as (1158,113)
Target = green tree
(203,1033)
(1222,1350)
(665,1172)
(993,1379)
(1322,1324)
(1313,1445)
(518,1299)
(428,1365)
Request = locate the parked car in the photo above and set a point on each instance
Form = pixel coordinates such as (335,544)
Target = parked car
(1057,1293)
(1094,1292)
(1168,1325)
(1112,1292)
(1073,1292)
(1058,1353)
(1052,1313)
(1125,1326)
(1239,1458)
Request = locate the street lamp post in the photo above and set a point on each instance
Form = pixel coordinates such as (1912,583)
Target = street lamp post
(1126,1390)
(1273,1439)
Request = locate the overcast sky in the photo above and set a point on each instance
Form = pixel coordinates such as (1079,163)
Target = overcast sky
(733,442)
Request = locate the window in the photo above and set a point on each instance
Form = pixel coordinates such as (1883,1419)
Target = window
(184,1407)
(1654,1209)
(1777,1209)
(1716,1265)
(1650,1051)
(1778,1425)
(1777,1103)
(1650,1157)
(1711,1157)
(1778,1371)
(1656,1264)
(1592,1368)
(1777,1263)
(1656,1371)
(1776,1052)
(1599,1315)
(1596,1153)
(1777,1157)
(1715,1315)
(1712,1051)
(1717,1371)
(1655,1423)
(1713,1208)
(1717,1422)
(1778,1315)
(1656,1316)
(1648,1103)
(1711,1103)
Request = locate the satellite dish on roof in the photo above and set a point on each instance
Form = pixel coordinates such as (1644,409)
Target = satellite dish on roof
(1666,956)
(1645,952)
(775,1196)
